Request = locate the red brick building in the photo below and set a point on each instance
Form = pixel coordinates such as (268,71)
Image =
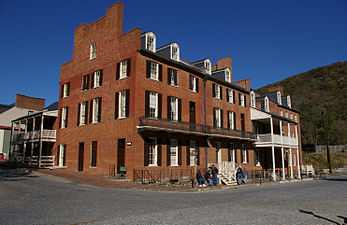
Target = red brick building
(128,105)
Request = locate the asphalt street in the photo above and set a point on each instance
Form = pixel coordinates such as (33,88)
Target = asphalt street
(36,199)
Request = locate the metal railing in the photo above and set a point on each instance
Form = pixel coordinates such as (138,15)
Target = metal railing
(162,175)
(192,127)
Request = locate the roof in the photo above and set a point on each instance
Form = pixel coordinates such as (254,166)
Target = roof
(53,106)
(4,108)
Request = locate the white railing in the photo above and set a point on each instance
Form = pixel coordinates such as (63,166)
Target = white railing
(48,134)
(277,139)
(46,161)
(36,134)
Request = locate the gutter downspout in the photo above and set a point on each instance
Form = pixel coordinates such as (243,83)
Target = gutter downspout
(205,78)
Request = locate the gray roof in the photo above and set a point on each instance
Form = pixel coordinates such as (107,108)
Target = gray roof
(53,106)
(4,108)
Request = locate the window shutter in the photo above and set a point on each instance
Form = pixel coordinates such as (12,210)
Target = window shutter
(64,158)
(62,91)
(128,67)
(239,98)
(147,103)
(87,83)
(148,69)
(159,105)
(244,98)
(60,117)
(188,153)
(91,111)
(221,118)
(92,81)
(228,120)
(101,75)
(168,75)
(99,110)
(234,120)
(190,82)
(179,109)
(127,102)
(247,155)
(255,158)
(214,118)
(213,90)
(197,85)
(234,97)
(160,72)
(86,117)
(78,113)
(176,77)
(94,153)
(169,107)
(221,92)
(118,71)
(168,153)
(67,115)
(179,153)
(116,106)
(227,91)
(229,155)
(68,88)
(159,146)
(197,149)
(146,150)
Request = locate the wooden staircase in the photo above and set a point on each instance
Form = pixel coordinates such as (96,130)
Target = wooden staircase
(226,172)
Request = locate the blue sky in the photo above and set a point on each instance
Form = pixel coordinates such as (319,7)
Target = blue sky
(268,40)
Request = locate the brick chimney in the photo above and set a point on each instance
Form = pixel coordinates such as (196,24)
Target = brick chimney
(26,102)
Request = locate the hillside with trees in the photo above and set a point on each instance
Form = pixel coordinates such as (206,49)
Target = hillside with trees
(319,95)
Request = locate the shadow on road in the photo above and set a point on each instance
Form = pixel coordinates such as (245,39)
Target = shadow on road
(344,219)
(320,217)
(8,174)
(336,179)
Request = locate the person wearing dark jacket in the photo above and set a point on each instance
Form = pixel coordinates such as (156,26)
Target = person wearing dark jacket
(214,172)
(239,175)
(200,179)
(244,175)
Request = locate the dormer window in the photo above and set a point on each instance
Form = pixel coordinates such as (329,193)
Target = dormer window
(279,98)
(288,102)
(227,75)
(252,99)
(175,53)
(266,104)
(148,41)
(208,66)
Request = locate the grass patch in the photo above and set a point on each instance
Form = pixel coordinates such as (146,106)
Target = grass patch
(319,159)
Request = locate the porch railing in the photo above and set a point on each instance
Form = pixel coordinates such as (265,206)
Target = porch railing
(162,176)
(266,138)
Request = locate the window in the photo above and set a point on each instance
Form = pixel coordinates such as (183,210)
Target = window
(281,113)
(242,99)
(216,91)
(61,155)
(289,102)
(266,104)
(93,153)
(231,120)
(63,117)
(193,153)
(279,98)
(175,52)
(227,75)
(65,89)
(230,96)
(92,51)
(295,118)
(252,99)
(173,152)
(82,113)
(150,42)
(286,113)
(231,153)
(122,104)
(123,69)
(153,104)
(152,152)
(291,116)
(193,84)
(153,70)
(174,108)
(172,76)
(256,158)
(95,114)
(244,154)
(96,79)
(85,82)
(218,118)
(294,159)
(208,66)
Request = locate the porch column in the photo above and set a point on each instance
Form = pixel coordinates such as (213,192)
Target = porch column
(40,150)
(297,152)
(283,171)
(288,129)
(291,163)
(273,151)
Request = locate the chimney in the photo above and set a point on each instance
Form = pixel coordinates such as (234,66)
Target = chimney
(26,102)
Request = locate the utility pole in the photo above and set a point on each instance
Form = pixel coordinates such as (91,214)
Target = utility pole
(327,142)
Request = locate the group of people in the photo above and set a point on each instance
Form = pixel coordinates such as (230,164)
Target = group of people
(241,175)
(210,176)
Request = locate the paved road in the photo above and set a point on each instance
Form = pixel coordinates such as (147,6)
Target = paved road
(33,199)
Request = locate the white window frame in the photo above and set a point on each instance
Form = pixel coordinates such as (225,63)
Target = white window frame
(154,71)
(244,155)
(95,110)
(231,119)
(96,79)
(174,108)
(173,152)
(291,116)
(279,97)
(217,91)
(83,113)
(173,74)
(266,104)
(242,100)
(289,102)
(286,113)
(92,51)
(281,113)
(207,64)
(227,75)
(150,42)
(295,118)
(61,156)
(153,96)
(257,156)
(65,90)
(192,153)
(122,104)
(217,112)
(230,95)
(85,80)
(252,99)
(153,150)
(123,70)
(175,52)
(63,117)
(194,83)
(232,151)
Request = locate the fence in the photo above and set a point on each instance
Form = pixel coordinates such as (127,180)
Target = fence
(162,176)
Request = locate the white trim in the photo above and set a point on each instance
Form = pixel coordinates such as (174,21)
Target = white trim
(155,153)
(173,152)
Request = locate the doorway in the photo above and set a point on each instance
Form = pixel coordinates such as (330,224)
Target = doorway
(80,156)
(121,157)
(192,115)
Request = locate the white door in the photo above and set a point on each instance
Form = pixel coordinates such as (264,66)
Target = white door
(219,152)
(61,155)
